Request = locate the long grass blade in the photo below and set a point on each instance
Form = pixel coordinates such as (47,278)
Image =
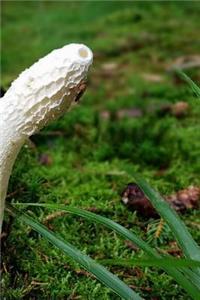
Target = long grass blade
(152,262)
(101,273)
(180,231)
(125,233)
(194,87)
(192,276)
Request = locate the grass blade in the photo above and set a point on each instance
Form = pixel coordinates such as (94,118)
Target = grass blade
(101,273)
(180,231)
(125,233)
(192,276)
(152,262)
(190,82)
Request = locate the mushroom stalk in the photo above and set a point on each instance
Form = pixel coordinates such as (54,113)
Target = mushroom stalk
(39,95)
(8,153)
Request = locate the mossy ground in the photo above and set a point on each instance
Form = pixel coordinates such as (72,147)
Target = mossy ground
(89,153)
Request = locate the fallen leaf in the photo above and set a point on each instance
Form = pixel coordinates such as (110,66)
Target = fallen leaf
(105,115)
(152,77)
(134,198)
(109,69)
(184,62)
(45,159)
(185,199)
(179,109)
(131,113)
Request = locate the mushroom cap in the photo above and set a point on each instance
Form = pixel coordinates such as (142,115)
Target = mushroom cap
(47,89)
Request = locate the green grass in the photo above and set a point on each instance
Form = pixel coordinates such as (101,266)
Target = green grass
(91,153)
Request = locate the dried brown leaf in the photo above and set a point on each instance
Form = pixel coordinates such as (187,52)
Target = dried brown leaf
(134,198)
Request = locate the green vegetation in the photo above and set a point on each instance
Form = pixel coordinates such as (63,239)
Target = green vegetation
(83,158)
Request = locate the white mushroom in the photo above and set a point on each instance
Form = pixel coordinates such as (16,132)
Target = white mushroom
(39,95)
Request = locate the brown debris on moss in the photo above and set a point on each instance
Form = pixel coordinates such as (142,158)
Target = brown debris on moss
(134,198)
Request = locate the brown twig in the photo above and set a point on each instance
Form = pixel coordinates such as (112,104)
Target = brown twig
(54,215)
(10,195)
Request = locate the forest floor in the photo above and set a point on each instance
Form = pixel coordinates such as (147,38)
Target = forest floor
(127,117)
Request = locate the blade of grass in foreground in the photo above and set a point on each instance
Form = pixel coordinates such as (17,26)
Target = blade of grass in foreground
(190,82)
(101,273)
(180,231)
(192,276)
(127,234)
(183,265)
(186,283)
(152,262)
